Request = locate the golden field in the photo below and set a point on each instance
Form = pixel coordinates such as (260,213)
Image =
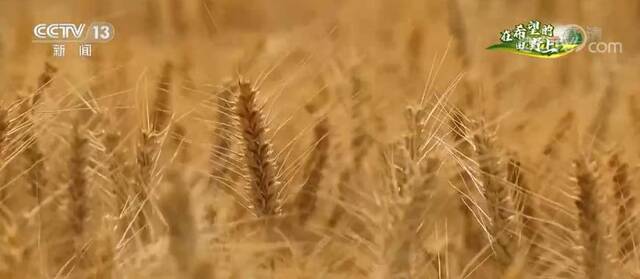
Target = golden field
(317,139)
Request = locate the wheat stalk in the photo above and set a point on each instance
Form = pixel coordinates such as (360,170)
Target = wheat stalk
(161,110)
(152,19)
(459,30)
(177,18)
(146,156)
(414,49)
(176,208)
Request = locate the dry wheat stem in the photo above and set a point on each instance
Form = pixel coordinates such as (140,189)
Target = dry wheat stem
(176,208)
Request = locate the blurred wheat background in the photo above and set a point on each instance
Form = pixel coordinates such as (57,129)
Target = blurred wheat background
(317,139)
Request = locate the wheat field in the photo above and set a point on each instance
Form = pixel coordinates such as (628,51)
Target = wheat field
(317,139)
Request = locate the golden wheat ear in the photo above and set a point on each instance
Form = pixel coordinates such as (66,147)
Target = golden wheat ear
(525,205)
(4,130)
(633,111)
(361,140)
(559,133)
(595,258)
(78,181)
(4,127)
(496,193)
(264,186)
(23,125)
(44,81)
(626,222)
(306,199)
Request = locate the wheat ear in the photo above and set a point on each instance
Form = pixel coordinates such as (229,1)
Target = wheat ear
(559,133)
(626,206)
(264,187)
(161,110)
(497,197)
(634,112)
(591,220)
(4,127)
(527,209)
(44,81)
(78,181)
(305,201)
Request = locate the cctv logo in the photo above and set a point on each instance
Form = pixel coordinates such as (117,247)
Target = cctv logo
(69,32)
(59,31)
